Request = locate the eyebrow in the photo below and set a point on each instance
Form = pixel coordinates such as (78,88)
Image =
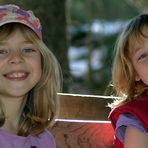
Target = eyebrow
(24,41)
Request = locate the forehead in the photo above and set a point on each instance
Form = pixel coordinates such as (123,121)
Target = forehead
(138,39)
(14,39)
(10,28)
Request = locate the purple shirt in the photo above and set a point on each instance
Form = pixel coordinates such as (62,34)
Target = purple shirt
(43,140)
(124,121)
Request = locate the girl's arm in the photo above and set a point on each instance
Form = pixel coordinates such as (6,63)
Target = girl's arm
(134,138)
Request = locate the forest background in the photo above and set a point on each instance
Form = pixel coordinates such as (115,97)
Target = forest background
(82,35)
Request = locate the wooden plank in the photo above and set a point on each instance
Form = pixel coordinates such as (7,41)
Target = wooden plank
(84,107)
(89,126)
(83,135)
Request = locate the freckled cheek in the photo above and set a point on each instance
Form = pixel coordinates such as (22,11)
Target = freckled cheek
(142,73)
(139,71)
(37,68)
(3,65)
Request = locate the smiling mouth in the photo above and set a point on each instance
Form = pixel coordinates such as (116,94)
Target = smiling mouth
(16,75)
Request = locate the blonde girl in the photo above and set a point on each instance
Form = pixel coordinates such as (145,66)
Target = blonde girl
(129,115)
(30,79)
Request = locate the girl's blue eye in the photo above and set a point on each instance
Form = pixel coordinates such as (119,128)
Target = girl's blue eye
(142,56)
(28,50)
(3,51)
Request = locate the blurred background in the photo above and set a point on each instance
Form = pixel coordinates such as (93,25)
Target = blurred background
(82,35)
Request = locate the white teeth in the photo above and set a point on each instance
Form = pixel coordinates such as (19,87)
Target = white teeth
(17,75)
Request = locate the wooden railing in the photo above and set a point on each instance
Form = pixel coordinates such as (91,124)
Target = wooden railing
(83,122)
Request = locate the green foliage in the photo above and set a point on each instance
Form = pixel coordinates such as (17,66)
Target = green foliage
(141,5)
(83,10)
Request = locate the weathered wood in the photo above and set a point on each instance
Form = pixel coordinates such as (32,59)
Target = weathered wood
(88,128)
(84,107)
(83,135)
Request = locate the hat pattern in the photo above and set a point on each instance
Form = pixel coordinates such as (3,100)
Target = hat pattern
(12,13)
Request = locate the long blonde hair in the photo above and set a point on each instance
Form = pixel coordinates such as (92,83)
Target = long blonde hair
(42,104)
(123,73)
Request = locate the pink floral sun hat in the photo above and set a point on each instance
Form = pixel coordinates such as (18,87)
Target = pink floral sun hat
(13,14)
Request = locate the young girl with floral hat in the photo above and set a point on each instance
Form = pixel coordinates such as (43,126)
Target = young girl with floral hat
(30,79)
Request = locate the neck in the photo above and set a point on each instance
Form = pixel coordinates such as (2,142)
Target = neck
(12,110)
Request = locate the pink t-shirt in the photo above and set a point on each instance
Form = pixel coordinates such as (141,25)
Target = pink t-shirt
(43,140)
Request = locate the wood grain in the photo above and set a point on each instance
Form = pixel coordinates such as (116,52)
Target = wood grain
(83,135)
(78,134)
(84,107)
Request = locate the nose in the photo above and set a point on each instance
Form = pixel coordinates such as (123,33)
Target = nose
(16,58)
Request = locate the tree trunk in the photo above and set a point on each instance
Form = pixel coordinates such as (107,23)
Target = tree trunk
(56,34)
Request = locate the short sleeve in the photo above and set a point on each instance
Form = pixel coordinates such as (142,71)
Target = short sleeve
(46,140)
(124,121)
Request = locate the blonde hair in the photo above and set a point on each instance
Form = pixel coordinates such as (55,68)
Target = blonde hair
(42,104)
(123,73)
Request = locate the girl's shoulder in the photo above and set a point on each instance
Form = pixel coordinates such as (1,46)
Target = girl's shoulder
(137,107)
(124,121)
(44,139)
